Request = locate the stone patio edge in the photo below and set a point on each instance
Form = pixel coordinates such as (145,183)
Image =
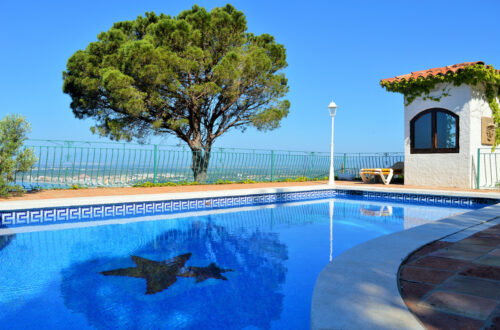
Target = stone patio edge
(98,200)
(359,288)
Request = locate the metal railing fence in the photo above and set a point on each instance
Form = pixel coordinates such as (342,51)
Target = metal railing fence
(487,168)
(95,164)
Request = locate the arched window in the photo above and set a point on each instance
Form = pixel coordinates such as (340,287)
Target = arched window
(434,131)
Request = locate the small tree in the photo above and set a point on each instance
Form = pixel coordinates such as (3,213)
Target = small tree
(195,76)
(13,158)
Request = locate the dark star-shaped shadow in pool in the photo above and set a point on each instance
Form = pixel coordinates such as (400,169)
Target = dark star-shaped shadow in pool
(161,275)
(204,273)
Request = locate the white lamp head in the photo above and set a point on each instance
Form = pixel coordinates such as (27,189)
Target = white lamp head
(333,108)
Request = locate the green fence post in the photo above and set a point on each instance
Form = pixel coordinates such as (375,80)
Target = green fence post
(478,168)
(272,165)
(155,163)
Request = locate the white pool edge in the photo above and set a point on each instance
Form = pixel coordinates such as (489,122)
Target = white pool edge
(359,288)
(99,200)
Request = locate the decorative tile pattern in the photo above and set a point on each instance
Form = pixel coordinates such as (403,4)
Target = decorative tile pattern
(19,218)
(419,199)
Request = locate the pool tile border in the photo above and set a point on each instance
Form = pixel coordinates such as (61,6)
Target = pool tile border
(30,217)
(102,210)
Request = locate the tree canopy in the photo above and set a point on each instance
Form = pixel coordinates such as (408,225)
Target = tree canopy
(13,157)
(196,76)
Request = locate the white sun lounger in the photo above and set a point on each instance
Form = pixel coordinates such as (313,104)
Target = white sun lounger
(385,174)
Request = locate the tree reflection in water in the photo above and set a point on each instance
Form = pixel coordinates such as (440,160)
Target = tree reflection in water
(250,297)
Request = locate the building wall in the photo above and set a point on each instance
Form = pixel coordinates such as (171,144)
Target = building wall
(480,108)
(452,169)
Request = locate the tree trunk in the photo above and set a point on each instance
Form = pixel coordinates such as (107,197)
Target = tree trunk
(199,165)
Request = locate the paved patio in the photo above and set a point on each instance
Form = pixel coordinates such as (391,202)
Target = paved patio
(455,284)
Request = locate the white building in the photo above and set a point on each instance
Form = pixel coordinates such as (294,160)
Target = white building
(442,137)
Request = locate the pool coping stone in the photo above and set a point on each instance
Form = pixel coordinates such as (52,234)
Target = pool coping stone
(101,200)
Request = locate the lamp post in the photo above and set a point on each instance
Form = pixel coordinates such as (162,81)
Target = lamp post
(333,108)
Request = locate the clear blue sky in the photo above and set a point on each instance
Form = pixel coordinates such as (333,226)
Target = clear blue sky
(336,50)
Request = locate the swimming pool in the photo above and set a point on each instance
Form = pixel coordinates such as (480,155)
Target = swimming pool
(245,269)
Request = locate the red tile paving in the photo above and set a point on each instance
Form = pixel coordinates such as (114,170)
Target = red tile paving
(432,72)
(455,285)
(489,261)
(473,286)
(413,291)
(489,233)
(457,253)
(488,241)
(439,263)
(481,271)
(472,247)
(458,303)
(495,252)
(423,275)
(428,249)
(434,319)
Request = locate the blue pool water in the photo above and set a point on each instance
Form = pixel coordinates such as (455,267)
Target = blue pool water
(265,263)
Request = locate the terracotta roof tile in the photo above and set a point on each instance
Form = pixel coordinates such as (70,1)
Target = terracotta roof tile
(432,72)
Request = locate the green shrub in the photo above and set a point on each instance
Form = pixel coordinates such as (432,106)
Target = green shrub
(220,181)
(149,184)
(146,184)
(298,179)
(13,157)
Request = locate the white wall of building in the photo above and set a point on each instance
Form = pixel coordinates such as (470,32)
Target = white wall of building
(479,108)
(448,169)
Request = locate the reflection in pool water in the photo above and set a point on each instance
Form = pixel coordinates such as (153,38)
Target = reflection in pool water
(54,278)
(376,211)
